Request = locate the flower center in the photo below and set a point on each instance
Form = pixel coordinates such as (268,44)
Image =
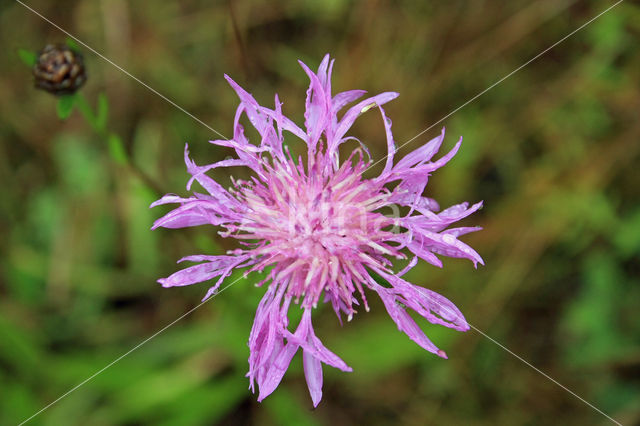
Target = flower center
(316,230)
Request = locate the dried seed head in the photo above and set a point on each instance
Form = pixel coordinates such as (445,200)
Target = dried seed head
(59,70)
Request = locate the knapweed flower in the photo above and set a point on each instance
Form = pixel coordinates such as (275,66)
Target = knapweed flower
(317,225)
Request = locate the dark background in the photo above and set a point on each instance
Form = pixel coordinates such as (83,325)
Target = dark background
(554,152)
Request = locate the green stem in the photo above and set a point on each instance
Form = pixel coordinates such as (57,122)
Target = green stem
(92,118)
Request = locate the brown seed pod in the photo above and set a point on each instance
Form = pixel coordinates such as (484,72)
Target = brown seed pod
(59,70)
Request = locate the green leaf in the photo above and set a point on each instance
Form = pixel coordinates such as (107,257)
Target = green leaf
(19,349)
(73,45)
(103,112)
(626,238)
(28,57)
(116,149)
(18,402)
(65,106)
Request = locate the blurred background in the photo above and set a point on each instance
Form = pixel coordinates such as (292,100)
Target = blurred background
(553,151)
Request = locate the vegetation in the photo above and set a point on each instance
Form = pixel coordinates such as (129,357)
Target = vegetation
(553,151)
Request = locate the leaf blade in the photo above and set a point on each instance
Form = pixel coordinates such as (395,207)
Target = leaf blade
(65,106)
(28,57)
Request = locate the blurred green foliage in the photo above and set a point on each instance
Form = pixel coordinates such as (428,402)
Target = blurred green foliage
(553,151)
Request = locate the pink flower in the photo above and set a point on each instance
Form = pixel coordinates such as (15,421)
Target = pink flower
(319,228)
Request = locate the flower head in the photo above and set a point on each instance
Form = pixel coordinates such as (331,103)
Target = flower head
(317,226)
(59,70)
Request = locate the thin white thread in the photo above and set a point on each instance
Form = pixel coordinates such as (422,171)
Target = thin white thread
(503,79)
(467,103)
(124,71)
(190,115)
(405,143)
(128,352)
(545,375)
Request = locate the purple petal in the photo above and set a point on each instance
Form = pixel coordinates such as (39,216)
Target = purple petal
(342,99)
(313,376)
(424,254)
(456,232)
(405,323)
(436,308)
(324,73)
(252,108)
(438,222)
(265,339)
(410,196)
(285,123)
(276,371)
(391,146)
(212,187)
(203,272)
(458,212)
(170,199)
(316,108)
(413,262)
(422,154)
(192,213)
(429,167)
(305,337)
(354,112)
(443,307)
(449,245)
